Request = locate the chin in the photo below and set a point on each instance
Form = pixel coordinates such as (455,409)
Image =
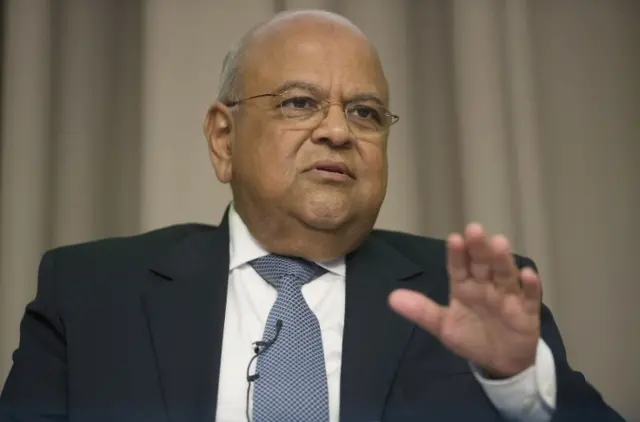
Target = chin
(327,214)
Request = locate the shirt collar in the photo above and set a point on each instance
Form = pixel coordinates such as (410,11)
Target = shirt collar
(243,248)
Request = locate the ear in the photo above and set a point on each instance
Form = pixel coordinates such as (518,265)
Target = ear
(219,129)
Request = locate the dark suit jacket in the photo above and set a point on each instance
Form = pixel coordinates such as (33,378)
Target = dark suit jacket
(130,329)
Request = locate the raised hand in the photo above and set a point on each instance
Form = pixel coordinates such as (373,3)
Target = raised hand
(493,315)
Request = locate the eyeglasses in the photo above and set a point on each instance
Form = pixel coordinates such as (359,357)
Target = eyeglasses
(365,117)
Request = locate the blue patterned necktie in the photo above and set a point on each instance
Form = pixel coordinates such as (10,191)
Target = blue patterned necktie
(292,383)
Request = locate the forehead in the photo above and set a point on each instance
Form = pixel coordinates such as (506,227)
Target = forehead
(335,59)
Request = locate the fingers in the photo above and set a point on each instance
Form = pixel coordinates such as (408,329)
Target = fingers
(475,257)
(480,253)
(457,258)
(505,271)
(531,289)
(419,309)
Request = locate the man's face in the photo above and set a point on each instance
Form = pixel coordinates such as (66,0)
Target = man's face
(325,170)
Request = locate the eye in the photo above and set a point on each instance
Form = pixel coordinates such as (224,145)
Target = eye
(299,103)
(365,112)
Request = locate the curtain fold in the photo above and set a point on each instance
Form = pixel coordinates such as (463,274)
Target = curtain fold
(25,160)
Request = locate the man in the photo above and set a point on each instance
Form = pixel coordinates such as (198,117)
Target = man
(294,308)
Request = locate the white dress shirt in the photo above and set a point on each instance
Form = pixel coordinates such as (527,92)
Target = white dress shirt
(529,396)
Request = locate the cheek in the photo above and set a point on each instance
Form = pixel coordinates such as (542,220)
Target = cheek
(374,163)
(276,157)
(266,161)
(374,171)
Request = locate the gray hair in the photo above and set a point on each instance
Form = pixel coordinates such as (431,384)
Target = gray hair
(229,86)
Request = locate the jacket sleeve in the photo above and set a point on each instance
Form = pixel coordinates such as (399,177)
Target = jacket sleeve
(576,399)
(36,388)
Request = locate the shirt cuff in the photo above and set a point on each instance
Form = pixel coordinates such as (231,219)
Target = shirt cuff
(529,396)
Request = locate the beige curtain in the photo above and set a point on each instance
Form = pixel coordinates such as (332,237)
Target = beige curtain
(521,114)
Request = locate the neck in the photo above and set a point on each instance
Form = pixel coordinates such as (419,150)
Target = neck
(287,235)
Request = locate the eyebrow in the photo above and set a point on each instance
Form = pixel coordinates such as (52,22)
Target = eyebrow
(317,90)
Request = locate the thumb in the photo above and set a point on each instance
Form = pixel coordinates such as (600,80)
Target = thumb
(419,309)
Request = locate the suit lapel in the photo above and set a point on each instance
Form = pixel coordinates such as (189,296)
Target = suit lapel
(374,336)
(185,306)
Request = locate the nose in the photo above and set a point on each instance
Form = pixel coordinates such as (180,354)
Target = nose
(334,129)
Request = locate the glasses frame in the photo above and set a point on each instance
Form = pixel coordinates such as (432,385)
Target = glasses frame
(325,108)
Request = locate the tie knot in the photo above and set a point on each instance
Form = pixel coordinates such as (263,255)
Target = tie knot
(274,268)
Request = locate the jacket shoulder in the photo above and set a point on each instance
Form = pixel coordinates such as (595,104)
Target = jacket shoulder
(139,247)
(421,250)
(424,249)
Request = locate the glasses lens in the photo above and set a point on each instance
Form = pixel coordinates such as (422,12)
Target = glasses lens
(298,106)
(368,117)
(365,118)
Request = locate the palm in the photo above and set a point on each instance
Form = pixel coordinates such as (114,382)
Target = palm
(499,339)
(489,320)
